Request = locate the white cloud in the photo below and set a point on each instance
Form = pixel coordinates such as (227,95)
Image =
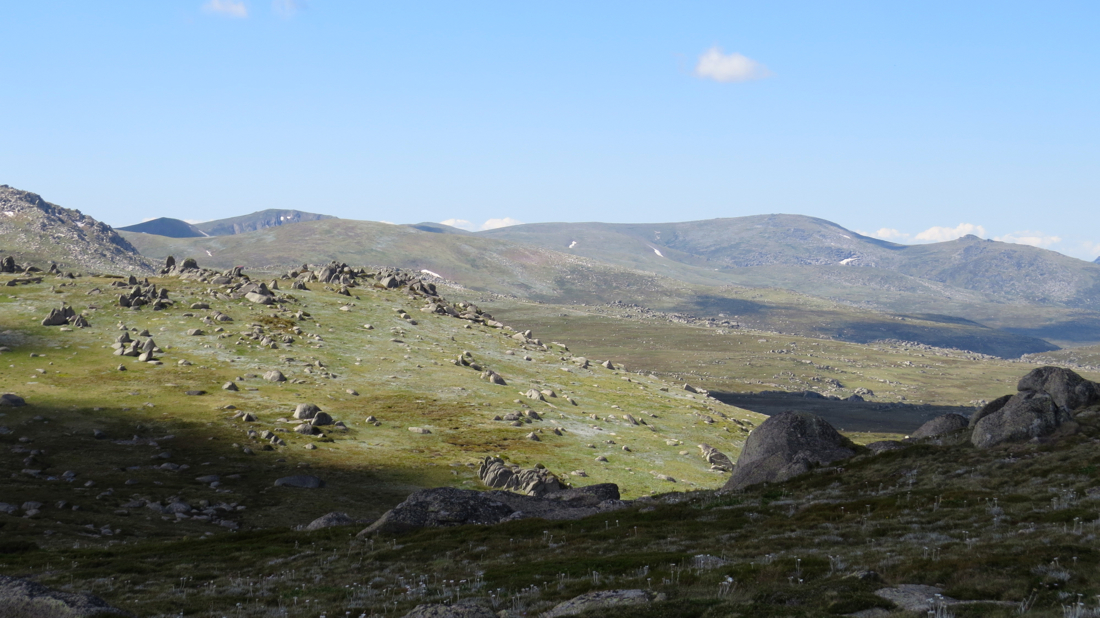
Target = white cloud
(713,64)
(287,8)
(1091,248)
(461,224)
(888,233)
(491,224)
(232,8)
(1035,239)
(944,234)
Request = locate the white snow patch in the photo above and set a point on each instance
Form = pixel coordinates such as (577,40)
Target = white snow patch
(848,261)
(843,236)
(572,244)
(428,272)
(208,253)
(658,252)
(10,213)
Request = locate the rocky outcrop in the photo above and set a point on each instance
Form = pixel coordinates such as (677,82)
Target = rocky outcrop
(47,232)
(447,506)
(787,445)
(22,597)
(1046,400)
(496,474)
(941,425)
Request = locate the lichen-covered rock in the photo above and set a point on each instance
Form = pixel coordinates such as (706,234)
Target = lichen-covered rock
(787,445)
(941,425)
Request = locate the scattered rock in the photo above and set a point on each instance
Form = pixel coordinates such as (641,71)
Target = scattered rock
(303,481)
(305,411)
(1026,415)
(275,376)
(419,430)
(1068,390)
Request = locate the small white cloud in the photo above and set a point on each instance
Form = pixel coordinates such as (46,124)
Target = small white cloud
(1035,239)
(493,224)
(287,8)
(231,8)
(461,224)
(713,64)
(944,234)
(888,233)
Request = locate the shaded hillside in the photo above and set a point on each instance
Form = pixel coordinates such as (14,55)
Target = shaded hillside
(164,226)
(256,221)
(36,231)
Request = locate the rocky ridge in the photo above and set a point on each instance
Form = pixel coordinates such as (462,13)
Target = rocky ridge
(35,230)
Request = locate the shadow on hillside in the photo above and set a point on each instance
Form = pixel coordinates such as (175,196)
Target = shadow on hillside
(844,415)
(1083,330)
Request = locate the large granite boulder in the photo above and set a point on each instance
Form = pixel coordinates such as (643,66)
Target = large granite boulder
(1068,390)
(941,425)
(462,609)
(787,445)
(1027,415)
(494,473)
(12,400)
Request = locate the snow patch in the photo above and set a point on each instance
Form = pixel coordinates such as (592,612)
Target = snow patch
(430,273)
(572,244)
(9,213)
(658,252)
(208,253)
(843,236)
(848,261)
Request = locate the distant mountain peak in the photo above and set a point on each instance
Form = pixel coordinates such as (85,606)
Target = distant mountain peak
(259,220)
(164,226)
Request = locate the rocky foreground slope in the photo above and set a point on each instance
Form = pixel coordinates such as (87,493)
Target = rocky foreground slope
(34,230)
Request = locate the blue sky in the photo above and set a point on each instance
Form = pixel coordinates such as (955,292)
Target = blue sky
(913,121)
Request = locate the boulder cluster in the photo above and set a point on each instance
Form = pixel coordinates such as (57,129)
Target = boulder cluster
(142,295)
(791,443)
(143,349)
(65,315)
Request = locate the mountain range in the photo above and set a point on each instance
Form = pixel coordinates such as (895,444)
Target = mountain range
(983,295)
(176,228)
